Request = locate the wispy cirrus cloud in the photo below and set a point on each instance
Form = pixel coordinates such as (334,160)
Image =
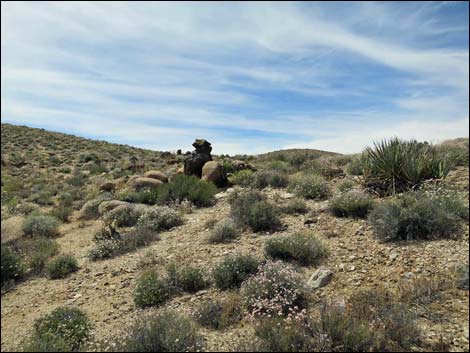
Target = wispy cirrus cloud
(250,77)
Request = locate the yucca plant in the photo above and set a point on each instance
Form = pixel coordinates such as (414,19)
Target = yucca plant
(395,165)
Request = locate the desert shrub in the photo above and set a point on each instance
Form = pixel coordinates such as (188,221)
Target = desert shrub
(395,165)
(45,343)
(41,225)
(250,209)
(303,248)
(346,186)
(462,276)
(219,314)
(111,247)
(280,335)
(224,232)
(62,213)
(244,178)
(233,270)
(145,195)
(61,266)
(418,215)
(38,251)
(12,267)
(187,279)
(371,321)
(276,290)
(90,208)
(264,178)
(309,186)
(356,165)
(422,290)
(199,192)
(352,203)
(162,332)
(158,218)
(68,327)
(295,206)
(456,152)
(124,215)
(151,290)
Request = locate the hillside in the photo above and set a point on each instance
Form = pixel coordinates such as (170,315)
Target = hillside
(64,176)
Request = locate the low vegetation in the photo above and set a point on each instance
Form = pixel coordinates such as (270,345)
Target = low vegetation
(428,214)
(219,314)
(351,203)
(309,186)
(61,266)
(41,225)
(233,270)
(303,248)
(63,330)
(224,232)
(250,209)
(162,332)
(276,290)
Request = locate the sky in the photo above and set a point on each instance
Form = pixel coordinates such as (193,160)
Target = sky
(249,77)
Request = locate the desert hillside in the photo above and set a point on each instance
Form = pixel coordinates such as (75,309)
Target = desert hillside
(293,250)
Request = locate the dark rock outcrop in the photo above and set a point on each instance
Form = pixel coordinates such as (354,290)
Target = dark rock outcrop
(195,161)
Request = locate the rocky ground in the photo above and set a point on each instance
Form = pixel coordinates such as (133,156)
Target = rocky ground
(103,289)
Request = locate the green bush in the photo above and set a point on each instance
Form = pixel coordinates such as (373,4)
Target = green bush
(69,327)
(309,186)
(199,192)
(294,206)
(111,247)
(187,279)
(250,209)
(146,196)
(158,218)
(303,248)
(45,343)
(276,290)
(356,165)
(123,215)
(352,203)
(395,165)
(40,250)
(41,225)
(12,267)
(418,215)
(163,332)
(224,232)
(219,314)
(264,178)
(233,270)
(61,266)
(244,178)
(346,186)
(151,290)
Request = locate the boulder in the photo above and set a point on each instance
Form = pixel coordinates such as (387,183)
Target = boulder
(143,182)
(194,163)
(320,278)
(240,165)
(156,174)
(214,172)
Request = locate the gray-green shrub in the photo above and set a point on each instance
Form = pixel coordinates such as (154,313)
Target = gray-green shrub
(304,248)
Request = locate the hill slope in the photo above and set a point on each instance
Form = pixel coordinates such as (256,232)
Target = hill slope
(104,289)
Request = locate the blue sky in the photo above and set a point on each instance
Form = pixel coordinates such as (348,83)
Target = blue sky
(249,77)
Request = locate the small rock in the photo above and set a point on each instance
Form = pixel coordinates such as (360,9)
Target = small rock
(320,278)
